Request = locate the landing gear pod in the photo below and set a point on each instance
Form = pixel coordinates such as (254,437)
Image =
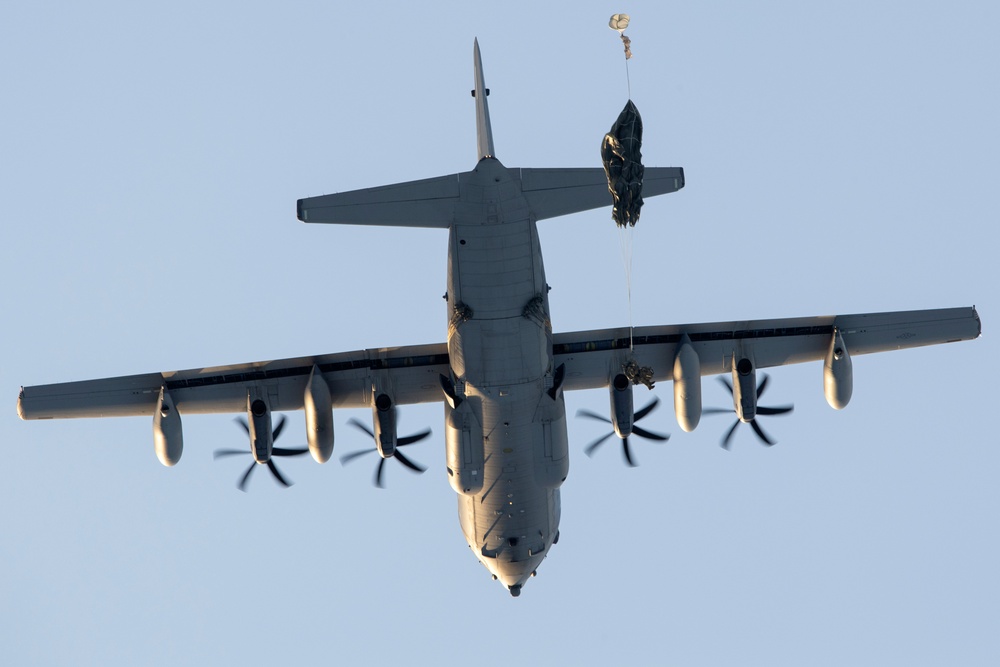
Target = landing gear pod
(466,456)
(687,386)
(319,417)
(168,438)
(838,373)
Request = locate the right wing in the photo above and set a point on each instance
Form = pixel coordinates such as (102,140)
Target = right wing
(591,358)
(409,374)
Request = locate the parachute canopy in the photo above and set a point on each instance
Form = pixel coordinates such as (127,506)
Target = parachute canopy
(618,22)
(623,165)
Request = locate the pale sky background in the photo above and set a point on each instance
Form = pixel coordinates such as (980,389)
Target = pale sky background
(840,158)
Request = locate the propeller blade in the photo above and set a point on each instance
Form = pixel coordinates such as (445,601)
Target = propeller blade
(277,475)
(762,385)
(726,383)
(646,410)
(246,477)
(760,433)
(627,453)
(717,411)
(592,415)
(359,425)
(220,453)
(347,458)
(782,410)
(589,450)
(282,451)
(410,439)
(378,473)
(729,435)
(408,463)
(242,421)
(649,435)
(276,431)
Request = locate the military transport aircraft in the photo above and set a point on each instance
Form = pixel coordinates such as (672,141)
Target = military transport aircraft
(502,373)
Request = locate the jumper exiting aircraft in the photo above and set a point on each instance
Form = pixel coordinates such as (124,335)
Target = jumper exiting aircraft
(503,373)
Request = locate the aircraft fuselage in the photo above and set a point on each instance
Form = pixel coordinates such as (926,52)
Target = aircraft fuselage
(500,347)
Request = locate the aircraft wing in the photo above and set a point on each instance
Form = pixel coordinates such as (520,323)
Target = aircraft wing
(593,357)
(411,374)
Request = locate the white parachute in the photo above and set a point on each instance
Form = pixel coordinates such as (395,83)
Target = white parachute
(618,23)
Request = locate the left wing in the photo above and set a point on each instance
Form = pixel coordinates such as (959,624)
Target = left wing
(409,374)
(591,358)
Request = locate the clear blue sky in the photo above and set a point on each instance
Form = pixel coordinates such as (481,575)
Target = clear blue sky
(840,157)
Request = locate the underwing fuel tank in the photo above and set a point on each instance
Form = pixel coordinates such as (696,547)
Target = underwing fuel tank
(838,373)
(319,417)
(687,386)
(168,437)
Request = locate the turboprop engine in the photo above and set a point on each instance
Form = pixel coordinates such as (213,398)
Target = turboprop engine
(621,405)
(838,373)
(168,438)
(318,407)
(259,429)
(384,422)
(745,390)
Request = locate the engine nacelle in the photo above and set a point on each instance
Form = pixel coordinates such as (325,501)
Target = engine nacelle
(621,405)
(384,422)
(463,437)
(318,407)
(259,428)
(687,386)
(744,389)
(838,373)
(168,437)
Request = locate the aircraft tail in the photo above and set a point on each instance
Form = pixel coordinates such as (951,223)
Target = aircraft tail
(484,133)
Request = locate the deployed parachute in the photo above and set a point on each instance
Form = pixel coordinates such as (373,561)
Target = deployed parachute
(619,22)
(623,165)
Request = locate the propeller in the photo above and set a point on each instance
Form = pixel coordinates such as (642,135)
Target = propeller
(761,410)
(636,430)
(275,451)
(398,455)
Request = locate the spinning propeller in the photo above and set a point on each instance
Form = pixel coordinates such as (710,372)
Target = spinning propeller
(636,430)
(275,451)
(398,455)
(761,410)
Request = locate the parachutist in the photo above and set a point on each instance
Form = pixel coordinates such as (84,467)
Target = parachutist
(638,374)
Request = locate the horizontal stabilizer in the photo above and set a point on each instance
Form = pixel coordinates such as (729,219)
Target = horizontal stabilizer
(554,192)
(426,203)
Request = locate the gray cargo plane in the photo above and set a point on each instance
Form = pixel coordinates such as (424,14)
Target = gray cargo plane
(502,373)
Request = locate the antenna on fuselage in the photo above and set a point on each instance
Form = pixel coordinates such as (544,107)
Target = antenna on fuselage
(484,133)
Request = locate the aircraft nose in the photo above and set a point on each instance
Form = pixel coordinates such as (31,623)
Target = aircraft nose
(513,574)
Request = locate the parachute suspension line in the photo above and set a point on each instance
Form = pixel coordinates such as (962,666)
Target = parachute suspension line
(628,79)
(626,238)
(626,224)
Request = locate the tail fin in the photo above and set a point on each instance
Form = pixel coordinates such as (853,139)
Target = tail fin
(484,133)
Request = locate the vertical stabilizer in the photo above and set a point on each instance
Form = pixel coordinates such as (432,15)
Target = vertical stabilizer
(484,133)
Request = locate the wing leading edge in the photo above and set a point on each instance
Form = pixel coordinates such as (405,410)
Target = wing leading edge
(409,374)
(412,373)
(592,357)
